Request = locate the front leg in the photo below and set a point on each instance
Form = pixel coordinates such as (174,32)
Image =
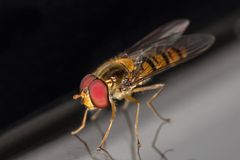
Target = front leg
(83,123)
(113,107)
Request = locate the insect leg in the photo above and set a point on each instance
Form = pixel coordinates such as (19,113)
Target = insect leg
(113,107)
(95,115)
(102,134)
(136,117)
(149,103)
(130,126)
(125,105)
(83,123)
(136,122)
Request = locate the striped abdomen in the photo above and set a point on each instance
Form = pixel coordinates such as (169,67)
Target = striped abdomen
(160,60)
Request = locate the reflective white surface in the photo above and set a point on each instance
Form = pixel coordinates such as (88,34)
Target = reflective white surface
(202,99)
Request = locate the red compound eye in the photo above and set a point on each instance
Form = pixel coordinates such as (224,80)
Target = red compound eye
(86,81)
(99,93)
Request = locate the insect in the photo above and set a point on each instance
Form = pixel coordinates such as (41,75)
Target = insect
(128,73)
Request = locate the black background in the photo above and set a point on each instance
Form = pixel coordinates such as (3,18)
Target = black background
(47,46)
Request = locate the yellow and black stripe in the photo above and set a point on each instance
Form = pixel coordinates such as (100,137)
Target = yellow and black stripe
(158,61)
(152,62)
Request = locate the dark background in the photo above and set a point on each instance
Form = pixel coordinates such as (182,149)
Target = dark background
(47,46)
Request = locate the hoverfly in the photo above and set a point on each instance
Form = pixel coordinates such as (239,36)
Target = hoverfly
(127,73)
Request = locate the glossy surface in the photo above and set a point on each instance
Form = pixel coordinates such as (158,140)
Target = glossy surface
(202,100)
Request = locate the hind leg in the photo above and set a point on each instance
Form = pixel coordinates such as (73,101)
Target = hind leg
(158,87)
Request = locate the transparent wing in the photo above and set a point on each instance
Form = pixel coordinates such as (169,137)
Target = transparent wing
(174,29)
(191,45)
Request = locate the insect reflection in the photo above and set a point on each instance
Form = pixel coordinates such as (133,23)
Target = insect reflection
(135,154)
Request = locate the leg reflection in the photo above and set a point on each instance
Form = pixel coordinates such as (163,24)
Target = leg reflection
(86,146)
(97,125)
(162,154)
(106,153)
